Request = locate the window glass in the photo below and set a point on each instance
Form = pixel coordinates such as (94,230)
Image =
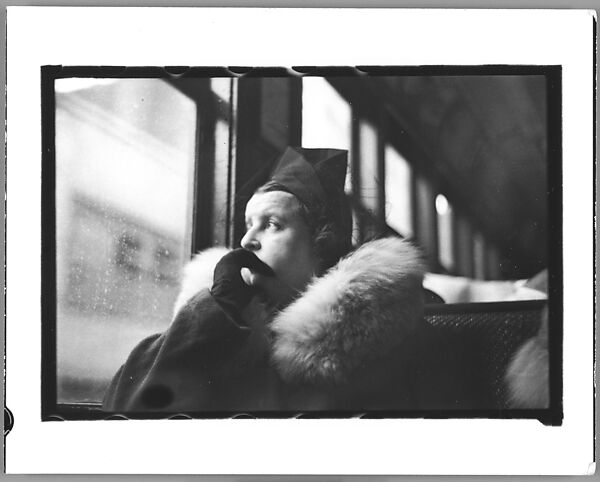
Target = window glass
(426,218)
(398,192)
(124,153)
(369,178)
(326,119)
(221,181)
(464,247)
(445,230)
(225,92)
(222,87)
(479,260)
(493,262)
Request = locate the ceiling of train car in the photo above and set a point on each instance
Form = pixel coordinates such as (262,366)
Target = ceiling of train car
(486,142)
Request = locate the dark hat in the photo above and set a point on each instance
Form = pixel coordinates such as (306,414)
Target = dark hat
(312,175)
(317,178)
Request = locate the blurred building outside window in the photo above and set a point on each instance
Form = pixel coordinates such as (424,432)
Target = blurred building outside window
(125,149)
(127,253)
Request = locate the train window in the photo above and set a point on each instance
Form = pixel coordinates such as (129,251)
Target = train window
(222,87)
(326,119)
(217,135)
(398,192)
(426,219)
(445,230)
(492,262)
(479,249)
(128,253)
(464,247)
(369,179)
(220,179)
(125,149)
(165,264)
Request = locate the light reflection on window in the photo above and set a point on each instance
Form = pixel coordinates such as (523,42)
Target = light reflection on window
(124,152)
(445,231)
(398,192)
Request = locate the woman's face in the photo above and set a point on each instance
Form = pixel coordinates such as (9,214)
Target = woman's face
(278,235)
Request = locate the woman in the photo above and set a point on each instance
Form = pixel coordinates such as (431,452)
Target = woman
(283,324)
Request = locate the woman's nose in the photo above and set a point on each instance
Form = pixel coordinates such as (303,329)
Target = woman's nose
(250,242)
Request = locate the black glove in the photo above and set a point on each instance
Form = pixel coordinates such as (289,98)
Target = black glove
(229,289)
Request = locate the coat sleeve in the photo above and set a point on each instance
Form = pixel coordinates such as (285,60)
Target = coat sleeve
(176,371)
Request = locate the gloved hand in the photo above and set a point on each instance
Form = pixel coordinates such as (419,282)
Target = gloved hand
(229,289)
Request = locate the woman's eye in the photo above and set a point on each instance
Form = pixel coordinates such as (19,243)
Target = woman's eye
(273,224)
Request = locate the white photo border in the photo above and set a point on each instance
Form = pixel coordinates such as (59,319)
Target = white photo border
(40,36)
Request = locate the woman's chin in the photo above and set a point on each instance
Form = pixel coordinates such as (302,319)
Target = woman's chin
(277,293)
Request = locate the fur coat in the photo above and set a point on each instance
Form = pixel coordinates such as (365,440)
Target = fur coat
(354,340)
(527,376)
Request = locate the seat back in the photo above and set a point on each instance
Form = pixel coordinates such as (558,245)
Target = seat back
(484,337)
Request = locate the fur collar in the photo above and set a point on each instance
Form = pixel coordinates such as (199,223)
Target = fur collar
(198,275)
(527,375)
(357,311)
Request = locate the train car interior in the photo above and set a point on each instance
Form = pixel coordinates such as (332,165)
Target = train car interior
(458,162)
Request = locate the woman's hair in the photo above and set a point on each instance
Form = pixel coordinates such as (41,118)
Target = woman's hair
(329,248)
